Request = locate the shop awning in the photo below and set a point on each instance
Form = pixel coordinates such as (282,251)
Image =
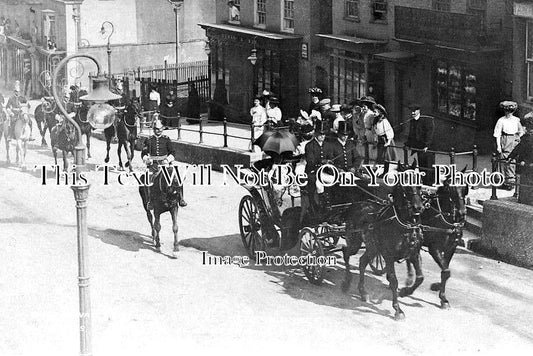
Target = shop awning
(249,32)
(395,57)
(352,43)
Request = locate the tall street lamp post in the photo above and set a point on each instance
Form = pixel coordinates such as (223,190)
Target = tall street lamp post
(176,5)
(107,30)
(101,115)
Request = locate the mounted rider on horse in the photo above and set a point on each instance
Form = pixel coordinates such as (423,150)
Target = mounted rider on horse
(158,151)
(14,108)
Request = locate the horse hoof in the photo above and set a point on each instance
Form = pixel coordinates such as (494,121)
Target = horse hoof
(444,305)
(404,292)
(106,160)
(174,254)
(399,316)
(435,287)
(127,164)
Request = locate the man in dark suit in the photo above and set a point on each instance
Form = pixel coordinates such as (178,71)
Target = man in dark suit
(315,156)
(343,155)
(421,132)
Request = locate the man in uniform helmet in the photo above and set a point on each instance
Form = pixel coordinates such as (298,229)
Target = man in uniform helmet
(14,105)
(158,151)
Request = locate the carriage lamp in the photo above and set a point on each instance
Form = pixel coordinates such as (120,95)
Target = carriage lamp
(207,48)
(99,95)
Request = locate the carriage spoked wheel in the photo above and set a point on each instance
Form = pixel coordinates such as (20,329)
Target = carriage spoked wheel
(250,226)
(329,240)
(377,264)
(310,245)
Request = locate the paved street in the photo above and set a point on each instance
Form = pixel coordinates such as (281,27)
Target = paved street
(144,302)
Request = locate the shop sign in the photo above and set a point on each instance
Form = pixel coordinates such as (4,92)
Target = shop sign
(305,52)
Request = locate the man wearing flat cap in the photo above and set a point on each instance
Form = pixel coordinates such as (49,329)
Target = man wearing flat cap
(507,133)
(421,132)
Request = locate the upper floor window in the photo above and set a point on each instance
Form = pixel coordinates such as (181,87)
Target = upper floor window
(351,9)
(479,8)
(288,15)
(260,14)
(49,29)
(442,5)
(379,10)
(234,11)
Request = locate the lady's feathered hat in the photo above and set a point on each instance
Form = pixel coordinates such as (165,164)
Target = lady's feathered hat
(315,91)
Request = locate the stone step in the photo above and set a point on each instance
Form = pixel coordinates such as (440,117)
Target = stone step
(473,225)
(474,211)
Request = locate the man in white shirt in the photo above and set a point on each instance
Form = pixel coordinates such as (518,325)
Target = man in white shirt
(507,133)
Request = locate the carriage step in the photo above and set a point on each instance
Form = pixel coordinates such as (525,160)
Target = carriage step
(474,211)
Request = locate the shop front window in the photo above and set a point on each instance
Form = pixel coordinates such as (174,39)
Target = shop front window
(455,91)
(268,71)
(348,79)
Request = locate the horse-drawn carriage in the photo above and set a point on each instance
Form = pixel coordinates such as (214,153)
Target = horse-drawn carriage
(391,229)
(272,217)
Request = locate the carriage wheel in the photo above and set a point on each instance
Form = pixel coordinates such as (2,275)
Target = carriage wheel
(310,245)
(377,264)
(330,241)
(250,226)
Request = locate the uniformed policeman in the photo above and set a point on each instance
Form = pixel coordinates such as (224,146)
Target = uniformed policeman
(315,156)
(158,151)
(343,155)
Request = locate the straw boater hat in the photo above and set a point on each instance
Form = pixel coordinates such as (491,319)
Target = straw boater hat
(336,108)
(508,105)
(325,101)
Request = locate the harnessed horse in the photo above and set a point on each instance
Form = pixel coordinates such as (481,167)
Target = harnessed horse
(81,110)
(126,132)
(391,229)
(446,217)
(63,137)
(45,117)
(164,196)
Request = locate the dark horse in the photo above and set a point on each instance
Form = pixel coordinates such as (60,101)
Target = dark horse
(45,116)
(81,110)
(126,129)
(165,195)
(63,137)
(391,229)
(446,217)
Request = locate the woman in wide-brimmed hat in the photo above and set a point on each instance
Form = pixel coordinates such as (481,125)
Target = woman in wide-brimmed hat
(384,137)
(315,94)
(507,133)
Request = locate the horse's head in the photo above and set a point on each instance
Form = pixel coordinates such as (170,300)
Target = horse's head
(452,201)
(408,198)
(172,192)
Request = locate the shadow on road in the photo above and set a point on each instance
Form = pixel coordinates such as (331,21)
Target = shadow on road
(125,239)
(296,285)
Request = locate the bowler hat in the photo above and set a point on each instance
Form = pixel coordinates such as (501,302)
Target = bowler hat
(343,129)
(414,106)
(273,100)
(321,127)
(381,109)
